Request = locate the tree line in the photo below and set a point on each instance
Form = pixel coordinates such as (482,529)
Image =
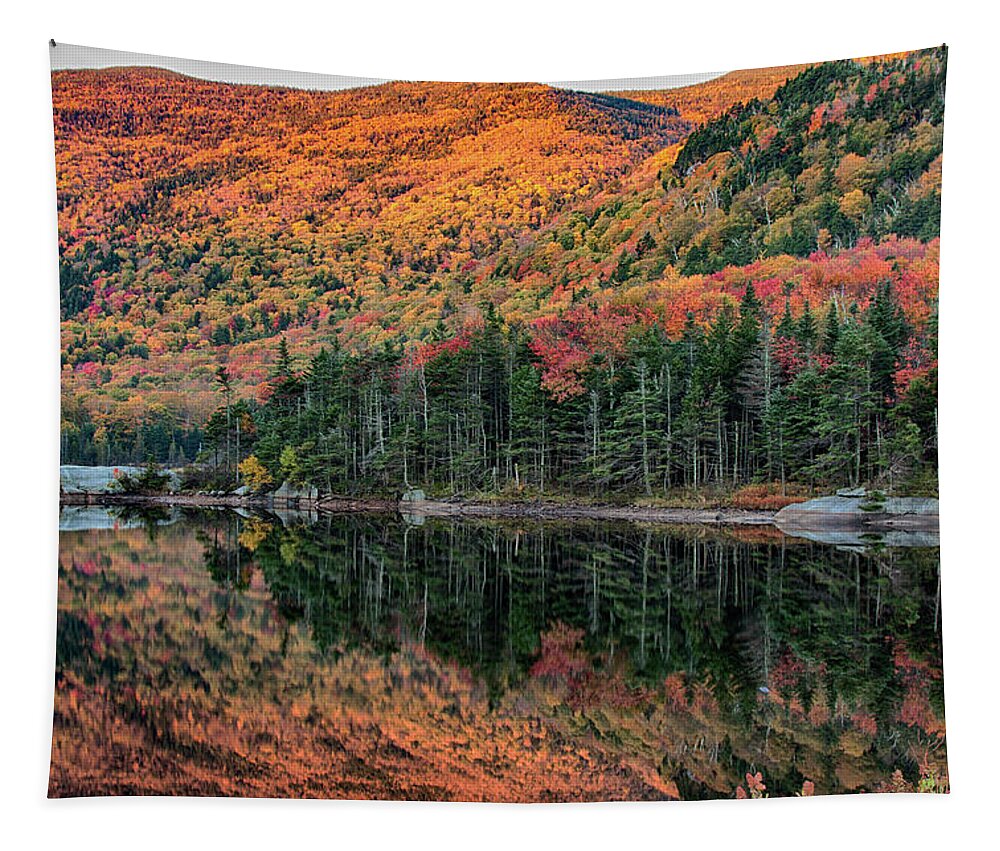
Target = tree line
(845,397)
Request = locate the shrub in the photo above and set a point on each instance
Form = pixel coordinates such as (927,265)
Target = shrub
(151,480)
(766,496)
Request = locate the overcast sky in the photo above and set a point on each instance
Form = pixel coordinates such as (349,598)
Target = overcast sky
(75,56)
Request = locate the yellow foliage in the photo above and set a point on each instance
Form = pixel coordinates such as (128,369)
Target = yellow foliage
(855,204)
(254,474)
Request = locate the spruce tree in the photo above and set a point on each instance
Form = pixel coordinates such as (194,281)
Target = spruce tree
(831,330)
(806,331)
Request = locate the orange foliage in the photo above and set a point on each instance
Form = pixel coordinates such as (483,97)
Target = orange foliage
(764,496)
(702,102)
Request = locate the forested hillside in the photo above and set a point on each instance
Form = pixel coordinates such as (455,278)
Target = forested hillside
(701,102)
(476,288)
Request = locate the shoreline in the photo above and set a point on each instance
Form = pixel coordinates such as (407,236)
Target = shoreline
(199,500)
(551,511)
(711,516)
(438,508)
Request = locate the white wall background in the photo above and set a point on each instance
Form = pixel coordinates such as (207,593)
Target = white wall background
(502,40)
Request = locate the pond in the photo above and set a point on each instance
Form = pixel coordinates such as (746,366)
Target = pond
(367,656)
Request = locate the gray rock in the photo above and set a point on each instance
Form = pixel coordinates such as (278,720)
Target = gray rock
(868,537)
(853,493)
(414,495)
(840,512)
(293,493)
(76,518)
(81,479)
(917,506)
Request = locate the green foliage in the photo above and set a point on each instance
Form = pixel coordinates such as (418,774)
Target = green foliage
(804,140)
(726,406)
(150,480)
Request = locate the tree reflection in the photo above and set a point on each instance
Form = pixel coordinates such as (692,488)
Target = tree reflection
(769,627)
(359,655)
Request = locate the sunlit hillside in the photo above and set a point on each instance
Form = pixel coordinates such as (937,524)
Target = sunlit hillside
(201,223)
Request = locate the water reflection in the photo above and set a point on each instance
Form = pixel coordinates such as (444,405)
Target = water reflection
(361,656)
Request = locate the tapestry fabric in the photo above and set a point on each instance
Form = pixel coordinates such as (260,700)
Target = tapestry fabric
(528,442)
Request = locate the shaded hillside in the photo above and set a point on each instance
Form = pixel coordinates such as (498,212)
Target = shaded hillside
(703,102)
(843,151)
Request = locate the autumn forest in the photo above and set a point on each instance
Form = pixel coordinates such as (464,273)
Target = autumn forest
(506,288)
(500,442)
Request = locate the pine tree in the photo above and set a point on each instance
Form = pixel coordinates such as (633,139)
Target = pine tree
(845,410)
(635,440)
(748,330)
(886,319)
(283,366)
(806,331)
(831,330)
(786,327)
(756,386)
(528,427)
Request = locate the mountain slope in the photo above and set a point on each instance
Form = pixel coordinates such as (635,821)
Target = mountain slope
(200,221)
(703,102)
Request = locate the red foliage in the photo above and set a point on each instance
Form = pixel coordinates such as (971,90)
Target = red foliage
(755,787)
(431,351)
(916,709)
(566,346)
(915,362)
(563,660)
(764,496)
(604,689)
(674,692)
(790,357)
(755,783)
(87,568)
(787,672)
(563,362)
(562,656)
(865,722)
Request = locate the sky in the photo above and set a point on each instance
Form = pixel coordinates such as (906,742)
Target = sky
(75,56)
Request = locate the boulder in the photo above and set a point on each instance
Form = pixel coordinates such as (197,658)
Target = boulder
(853,493)
(80,479)
(289,494)
(851,512)
(74,478)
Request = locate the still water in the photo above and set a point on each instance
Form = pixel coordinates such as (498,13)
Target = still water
(364,656)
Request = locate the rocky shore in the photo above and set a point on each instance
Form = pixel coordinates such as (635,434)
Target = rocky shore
(850,516)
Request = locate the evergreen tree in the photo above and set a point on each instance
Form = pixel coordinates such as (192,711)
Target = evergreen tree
(635,440)
(805,330)
(886,320)
(831,330)
(786,327)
